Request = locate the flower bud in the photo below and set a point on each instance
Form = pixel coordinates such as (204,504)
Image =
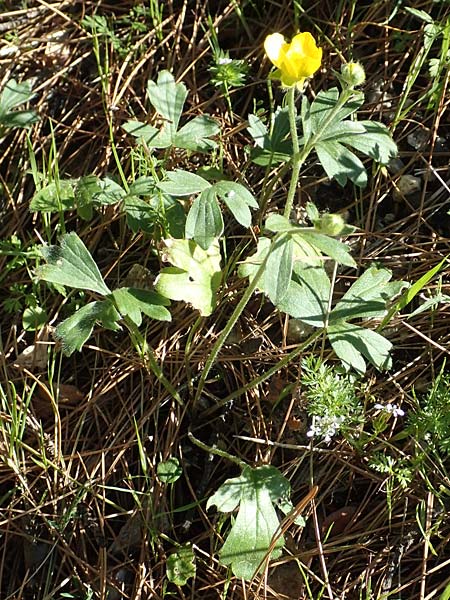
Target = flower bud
(330,224)
(353,74)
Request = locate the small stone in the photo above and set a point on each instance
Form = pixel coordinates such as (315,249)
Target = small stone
(298,331)
(441,144)
(395,165)
(418,139)
(407,185)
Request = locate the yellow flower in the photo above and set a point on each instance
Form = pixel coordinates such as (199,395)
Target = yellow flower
(296,61)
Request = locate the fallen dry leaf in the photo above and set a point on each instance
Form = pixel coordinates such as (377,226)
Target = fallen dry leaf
(338,520)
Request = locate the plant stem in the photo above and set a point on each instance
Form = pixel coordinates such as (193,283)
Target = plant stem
(299,156)
(253,284)
(141,345)
(216,451)
(267,374)
(297,159)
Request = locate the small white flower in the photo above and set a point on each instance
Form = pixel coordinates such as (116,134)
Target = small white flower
(223,60)
(393,409)
(325,426)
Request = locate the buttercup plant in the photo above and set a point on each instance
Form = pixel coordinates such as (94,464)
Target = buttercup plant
(288,265)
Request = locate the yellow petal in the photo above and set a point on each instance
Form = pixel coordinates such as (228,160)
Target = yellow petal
(296,61)
(275,47)
(303,56)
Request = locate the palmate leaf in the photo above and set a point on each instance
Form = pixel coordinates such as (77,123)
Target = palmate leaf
(74,331)
(367,298)
(238,200)
(333,135)
(248,543)
(14,94)
(320,110)
(181,183)
(195,275)
(204,222)
(140,215)
(168,98)
(196,134)
(55,197)
(148,133)
(368,137)
(307,296)
(134,302)
(330,247)
(278,271)
(251,265)
(71,265)
(270,148)
(352,343)
(341,164)
(275,278)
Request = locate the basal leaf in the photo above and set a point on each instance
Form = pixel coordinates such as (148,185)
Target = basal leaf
(196,134)
(247,545)
(110,192)
(238,209)
(85,190)
(14,94)
(34,318)
(250,266)
(183,183)
(134,301)
(167,97)
(55,197)
(195,276)
(71,265)
(19,118)
(171,213)
(204,222)
(226,188)
(140,215)
(170,470)
(74,331)
(142,130)
(143,186)
(181,565)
